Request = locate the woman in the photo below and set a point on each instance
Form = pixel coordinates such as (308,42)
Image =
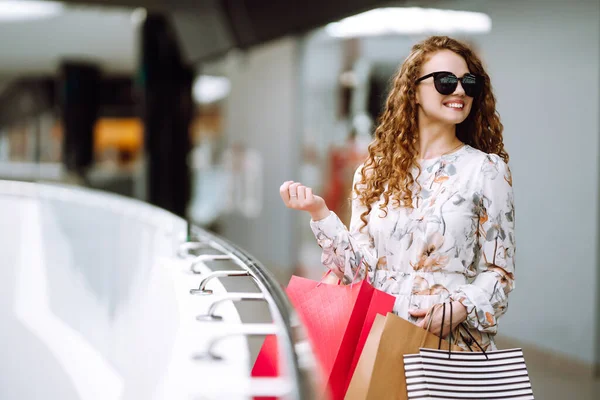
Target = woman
(432,207)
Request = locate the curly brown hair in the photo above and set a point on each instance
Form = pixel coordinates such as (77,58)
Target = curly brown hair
(393,152)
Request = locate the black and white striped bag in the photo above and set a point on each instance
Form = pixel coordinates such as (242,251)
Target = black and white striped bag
(451,375)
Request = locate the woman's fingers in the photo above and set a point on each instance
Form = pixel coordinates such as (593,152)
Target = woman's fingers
(309,195)
(294,191)
(295,195)
(284,191)
(301,191)
(418,312)
(436,323)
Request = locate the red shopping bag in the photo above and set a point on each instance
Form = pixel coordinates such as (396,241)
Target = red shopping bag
(267,364)
(334,317)
(381,303)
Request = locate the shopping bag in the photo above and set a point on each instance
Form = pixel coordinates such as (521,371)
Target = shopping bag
(379,373)
(499,374)
(334,317)
(381,304)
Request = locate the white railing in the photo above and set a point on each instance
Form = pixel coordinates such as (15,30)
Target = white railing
(115,299)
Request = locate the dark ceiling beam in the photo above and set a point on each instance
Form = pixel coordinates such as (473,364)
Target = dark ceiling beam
(149,4)
(152,5)
(210,28)
(257,21)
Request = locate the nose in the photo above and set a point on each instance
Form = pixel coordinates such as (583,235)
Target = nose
(459,89)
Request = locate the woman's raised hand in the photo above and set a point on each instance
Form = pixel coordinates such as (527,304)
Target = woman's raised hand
(299,197)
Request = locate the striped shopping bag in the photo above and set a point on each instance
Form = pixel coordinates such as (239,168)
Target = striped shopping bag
(438,374)
(451,375)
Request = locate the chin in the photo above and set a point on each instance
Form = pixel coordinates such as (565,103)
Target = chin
(453,120)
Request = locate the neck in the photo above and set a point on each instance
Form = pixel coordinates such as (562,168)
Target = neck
(436,138)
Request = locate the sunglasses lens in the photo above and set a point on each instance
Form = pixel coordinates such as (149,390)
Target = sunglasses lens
(445,83)
(471,85)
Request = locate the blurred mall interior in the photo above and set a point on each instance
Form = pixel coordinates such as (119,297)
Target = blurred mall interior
(121,110)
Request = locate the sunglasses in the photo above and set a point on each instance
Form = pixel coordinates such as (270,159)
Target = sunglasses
(446,83)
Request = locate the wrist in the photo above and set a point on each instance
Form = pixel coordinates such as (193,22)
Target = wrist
(320,214)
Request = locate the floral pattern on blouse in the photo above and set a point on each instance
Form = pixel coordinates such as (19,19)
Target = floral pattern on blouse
(456,243)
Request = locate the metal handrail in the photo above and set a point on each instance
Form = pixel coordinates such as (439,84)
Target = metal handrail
(247,330)
(235,297)
(202,290)
(294,344)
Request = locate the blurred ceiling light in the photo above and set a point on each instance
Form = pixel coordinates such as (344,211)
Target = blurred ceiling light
(210,89)
(410,20)
(22,10)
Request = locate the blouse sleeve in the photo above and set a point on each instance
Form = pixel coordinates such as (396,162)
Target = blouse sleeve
(486,297)
(343,248)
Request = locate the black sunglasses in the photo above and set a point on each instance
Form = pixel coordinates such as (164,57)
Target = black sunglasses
(446,83)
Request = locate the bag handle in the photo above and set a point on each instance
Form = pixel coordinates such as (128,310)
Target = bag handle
(443,305)
(452,337)
(325,276)
(466,329)
(359,265)
(358,269)
(427,329)
(472,338)
(442,327)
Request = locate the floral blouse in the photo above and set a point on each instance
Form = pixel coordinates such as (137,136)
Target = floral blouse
(456,243)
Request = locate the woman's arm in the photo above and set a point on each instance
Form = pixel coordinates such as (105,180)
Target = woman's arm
(486,298)
(343,248)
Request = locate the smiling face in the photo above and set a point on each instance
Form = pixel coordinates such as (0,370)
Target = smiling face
(434,107)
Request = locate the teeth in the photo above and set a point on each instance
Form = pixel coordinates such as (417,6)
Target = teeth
(454,105)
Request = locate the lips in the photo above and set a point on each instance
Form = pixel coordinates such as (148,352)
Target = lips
(455,104)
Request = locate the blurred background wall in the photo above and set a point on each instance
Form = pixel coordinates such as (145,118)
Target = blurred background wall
(261,118)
